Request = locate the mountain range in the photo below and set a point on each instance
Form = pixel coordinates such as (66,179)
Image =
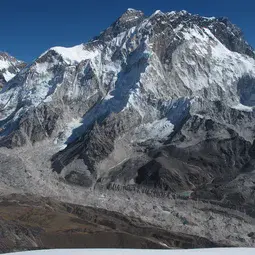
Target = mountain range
(153,118)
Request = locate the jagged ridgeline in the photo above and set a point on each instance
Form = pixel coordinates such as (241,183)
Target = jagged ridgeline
(9,67)
(160,103)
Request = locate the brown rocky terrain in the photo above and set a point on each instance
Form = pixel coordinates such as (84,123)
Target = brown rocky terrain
(28,222)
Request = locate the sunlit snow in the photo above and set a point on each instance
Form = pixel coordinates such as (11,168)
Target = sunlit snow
(8,76)
(76,53)
(216,251)
(242,107)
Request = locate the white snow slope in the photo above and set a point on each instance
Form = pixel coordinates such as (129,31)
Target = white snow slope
(216,251)
(9,66)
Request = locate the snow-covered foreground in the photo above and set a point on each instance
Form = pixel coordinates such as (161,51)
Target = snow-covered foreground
(215,251)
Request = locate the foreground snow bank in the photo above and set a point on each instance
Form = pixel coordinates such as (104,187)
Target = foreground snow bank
(216,251)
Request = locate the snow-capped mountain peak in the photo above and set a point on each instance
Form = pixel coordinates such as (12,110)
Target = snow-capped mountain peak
(9,67)
(160,102)
(129,57)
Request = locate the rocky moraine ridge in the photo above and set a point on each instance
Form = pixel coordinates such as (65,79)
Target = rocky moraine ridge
(153,118)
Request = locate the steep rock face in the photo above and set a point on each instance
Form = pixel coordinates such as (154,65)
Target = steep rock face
(9,67)
(164,101)
(226,32)
(246,90)
(128,20)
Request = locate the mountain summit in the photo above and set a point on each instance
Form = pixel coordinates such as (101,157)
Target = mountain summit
(9,67)
(161,105)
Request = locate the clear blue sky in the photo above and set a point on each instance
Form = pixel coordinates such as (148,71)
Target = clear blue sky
(29,27)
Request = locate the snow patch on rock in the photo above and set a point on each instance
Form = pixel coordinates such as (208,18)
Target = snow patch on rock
(157,130)
(8,76)
(242,107)
(67,132)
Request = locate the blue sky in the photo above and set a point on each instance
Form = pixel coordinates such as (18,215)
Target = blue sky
(29,27)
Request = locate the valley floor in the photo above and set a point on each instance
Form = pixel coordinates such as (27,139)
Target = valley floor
(29,222)
(175,222)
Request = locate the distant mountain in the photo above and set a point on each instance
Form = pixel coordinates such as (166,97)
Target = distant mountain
(160,105)
(9,67)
